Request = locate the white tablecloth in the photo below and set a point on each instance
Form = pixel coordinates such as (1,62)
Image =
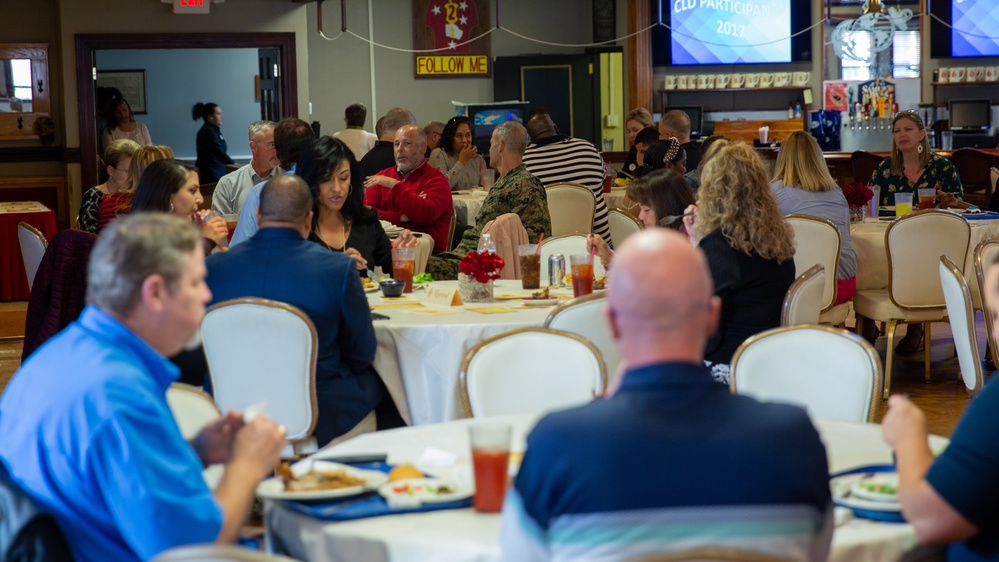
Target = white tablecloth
(419,355)
(466,536)
(467,205)
(615,198)
(868,239)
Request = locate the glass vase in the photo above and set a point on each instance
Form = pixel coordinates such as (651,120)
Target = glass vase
(473,291)
(857,214)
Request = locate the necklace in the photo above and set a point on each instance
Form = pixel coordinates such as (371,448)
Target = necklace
(319,230)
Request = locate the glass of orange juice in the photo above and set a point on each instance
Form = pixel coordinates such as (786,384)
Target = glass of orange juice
(903,204)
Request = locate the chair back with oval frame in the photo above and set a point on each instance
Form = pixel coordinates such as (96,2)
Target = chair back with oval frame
(986,254)
(973,166)
(833,373)
(32,243)
(263,350)
(914,244)
(192,408)
(567,245)
(803,303)
(572,208)
(961,313)
(817,241)
(530,370)
(622,225)
(585,317)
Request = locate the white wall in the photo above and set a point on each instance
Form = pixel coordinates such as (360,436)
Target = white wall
(177,79)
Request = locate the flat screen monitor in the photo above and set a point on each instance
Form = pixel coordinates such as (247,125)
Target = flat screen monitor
(484,119)
(964,28)
(731,32)
(970,115)
(692,111)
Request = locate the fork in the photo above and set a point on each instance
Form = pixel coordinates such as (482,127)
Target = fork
(666,221)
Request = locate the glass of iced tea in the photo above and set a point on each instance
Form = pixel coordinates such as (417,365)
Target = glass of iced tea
(530,266)
(403,266)
(230,224)
(582,274)
(927,198)
(490,460)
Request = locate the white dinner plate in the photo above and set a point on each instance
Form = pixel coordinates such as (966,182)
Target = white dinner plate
(273,488)
(371,289)
(551,301)
(842,494)
(425,490)
(861,487)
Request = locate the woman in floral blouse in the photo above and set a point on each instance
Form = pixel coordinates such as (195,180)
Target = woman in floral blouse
(913,166)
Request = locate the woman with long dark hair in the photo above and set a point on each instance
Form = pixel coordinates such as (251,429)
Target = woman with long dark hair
(171,186)
(211,145)
(122,125)
(456,157)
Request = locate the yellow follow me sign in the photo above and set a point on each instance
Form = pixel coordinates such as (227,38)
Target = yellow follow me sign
(452,65)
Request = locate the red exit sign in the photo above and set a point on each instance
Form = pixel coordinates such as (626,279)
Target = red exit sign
(191,6)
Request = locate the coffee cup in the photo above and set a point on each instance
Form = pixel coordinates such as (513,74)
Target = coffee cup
(801,78)
(782,79)
(738,80)
(722,80)
(944,75)
(702,81)
(957,74)
(990,74)
(711,81)
(670,83)
(682,82)
(766,79)
(752,80)
(979,73)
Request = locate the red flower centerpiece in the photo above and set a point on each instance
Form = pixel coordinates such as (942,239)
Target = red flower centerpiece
(858,197)
(476,273)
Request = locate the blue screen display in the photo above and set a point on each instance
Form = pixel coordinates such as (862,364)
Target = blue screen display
(975,31)
(730,31)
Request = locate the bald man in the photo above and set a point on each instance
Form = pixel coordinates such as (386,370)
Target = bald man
(413,194)
(671,459)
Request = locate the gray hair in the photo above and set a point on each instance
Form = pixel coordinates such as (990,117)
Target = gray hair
(433,127)
(398,117)
(133,248)
(514,135)
(258,128)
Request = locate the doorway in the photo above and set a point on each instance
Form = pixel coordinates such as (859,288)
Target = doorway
(87,45)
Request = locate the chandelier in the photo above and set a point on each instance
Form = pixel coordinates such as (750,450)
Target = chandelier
(876,23)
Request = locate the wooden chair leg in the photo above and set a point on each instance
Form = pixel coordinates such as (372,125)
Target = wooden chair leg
(926,349)
(892,326)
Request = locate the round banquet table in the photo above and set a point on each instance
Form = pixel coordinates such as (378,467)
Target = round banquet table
(868,239)
(615,199)
(467,204)
(420,349)
(13,281)
(462,535)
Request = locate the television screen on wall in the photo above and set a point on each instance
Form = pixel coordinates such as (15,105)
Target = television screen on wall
(731,32)
(972,30)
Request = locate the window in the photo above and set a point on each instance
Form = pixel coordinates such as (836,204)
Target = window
(21,71)
(904,53)
(857,69)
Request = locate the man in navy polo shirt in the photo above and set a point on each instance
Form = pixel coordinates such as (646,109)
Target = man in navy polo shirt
(671,460)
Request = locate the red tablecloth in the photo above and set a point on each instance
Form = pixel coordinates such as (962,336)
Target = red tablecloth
(13,281)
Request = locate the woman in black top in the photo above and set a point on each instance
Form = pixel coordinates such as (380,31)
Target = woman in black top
(340,221)
(211,145)
(748,245)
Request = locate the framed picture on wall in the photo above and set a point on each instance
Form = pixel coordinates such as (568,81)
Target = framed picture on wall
(131,84)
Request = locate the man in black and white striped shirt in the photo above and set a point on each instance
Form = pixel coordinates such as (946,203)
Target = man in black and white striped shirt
(554,158)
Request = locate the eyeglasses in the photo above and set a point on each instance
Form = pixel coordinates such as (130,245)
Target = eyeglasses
(124,171)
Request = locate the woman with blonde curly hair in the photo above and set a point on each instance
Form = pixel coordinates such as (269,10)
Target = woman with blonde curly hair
(748,245)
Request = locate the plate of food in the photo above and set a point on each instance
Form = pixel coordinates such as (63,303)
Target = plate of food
(316,480)
(369,285)
(424,490)
(884,506)
(878,487)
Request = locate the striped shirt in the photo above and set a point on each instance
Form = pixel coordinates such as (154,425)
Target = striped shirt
(562,159)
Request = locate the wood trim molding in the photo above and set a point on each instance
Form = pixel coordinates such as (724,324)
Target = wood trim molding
(87,44)
(639,53)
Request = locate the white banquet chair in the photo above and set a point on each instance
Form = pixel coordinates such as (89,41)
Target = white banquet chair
(622,225)
(215,553)
(530,370)
(584,316)
(803,302)
(32,243)
(986,253)
(961,313)
(915,243)
(833,373)
(264,351)
(817,241)
(192,408)
(567,245)
(572,207)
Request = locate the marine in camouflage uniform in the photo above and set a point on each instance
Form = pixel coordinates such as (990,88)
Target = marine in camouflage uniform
(517,192)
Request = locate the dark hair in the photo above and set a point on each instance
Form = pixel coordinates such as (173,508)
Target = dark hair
(660,154)
(112,117)
(291,137)
(450,129)
(317,164)
(666,191)
(648,135)
(159,181)
(355,114)
(203,110)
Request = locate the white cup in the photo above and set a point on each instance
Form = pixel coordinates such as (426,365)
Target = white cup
(682,82)
(702,81)
(670,83)
(722,80)
(801,78)
(738,80)
(711,81)
(944,75)
(752,80)
(766,79)
(990,74)
(782,79)
(957,74)
(979,74)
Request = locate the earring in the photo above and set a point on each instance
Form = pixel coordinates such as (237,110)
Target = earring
(920,148)
(171,207)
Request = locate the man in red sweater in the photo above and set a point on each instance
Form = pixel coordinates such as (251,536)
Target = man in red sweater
(414,194)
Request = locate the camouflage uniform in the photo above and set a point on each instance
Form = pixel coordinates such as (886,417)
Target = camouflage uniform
(517,192)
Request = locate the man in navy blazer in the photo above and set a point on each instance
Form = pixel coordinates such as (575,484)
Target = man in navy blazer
(278,263)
